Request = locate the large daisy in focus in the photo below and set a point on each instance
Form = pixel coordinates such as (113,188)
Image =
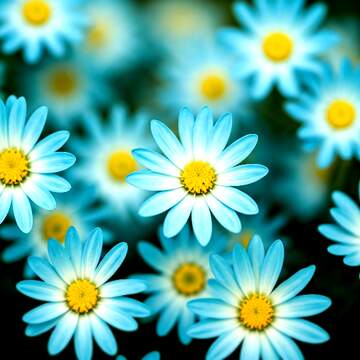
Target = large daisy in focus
(197,175)
(27,166)
(279,39)
(79,301)
(330,113)
(36,25)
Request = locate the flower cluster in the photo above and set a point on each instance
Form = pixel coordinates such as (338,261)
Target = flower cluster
(188,136)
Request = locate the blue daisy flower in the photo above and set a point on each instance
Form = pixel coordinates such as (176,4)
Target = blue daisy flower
(81,214)
(26,165)
(67,87)
(346,233)
(36,25)
(183,267)
(154,355)
(330,113)
(80,302)
(201,74)
(247,308)
(197,175)
(279,41)
(113,40)
(106,154)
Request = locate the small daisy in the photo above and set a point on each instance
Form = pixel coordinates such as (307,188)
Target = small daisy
(106,154)
(261,224)
(154,355)
(330,113)
(36,25)
(197,175)
(279,40)
(113,39)
(26,165)
(67,87)
(247,308)
(174,23)
(81,214)
(302,186)
(183,271)
(346,233)
(200,75)
(80,303)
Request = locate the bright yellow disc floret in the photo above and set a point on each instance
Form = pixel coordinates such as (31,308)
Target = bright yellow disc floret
(198,177)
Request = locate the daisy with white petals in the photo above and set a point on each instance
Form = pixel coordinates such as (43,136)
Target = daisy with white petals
(198,174)
(36,25)
(280,39)
(183,271)
(26,165)
(330,113)
(80,303)
(248,310)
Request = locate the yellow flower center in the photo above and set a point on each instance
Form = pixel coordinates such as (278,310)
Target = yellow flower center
(198,177)
(63,82)
(36,12)
(277,46)
(213,87)
(14,167)
(82,296)
(97,36)
(256,312)
(340,114)
(55,226)
(189,279)
(120,164)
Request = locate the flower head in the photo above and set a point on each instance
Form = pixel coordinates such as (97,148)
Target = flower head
(279,40)
(247,308)
(183,271)
(197,175)
(36,25)
(330,113)
(26,165)
(80,302)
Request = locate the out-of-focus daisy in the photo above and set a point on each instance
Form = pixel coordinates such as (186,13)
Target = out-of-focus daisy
(27,166)
(112,41)
(154,355)
(36,25)
(67,88)
(330,113)
(175,23)
(80,302)
(302,186)
(349,30)
(183,267)
(346,232)
(106,154)
(197,176)
(54,225)
(247,308)
(201,74)
(261,224)
(279,40)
